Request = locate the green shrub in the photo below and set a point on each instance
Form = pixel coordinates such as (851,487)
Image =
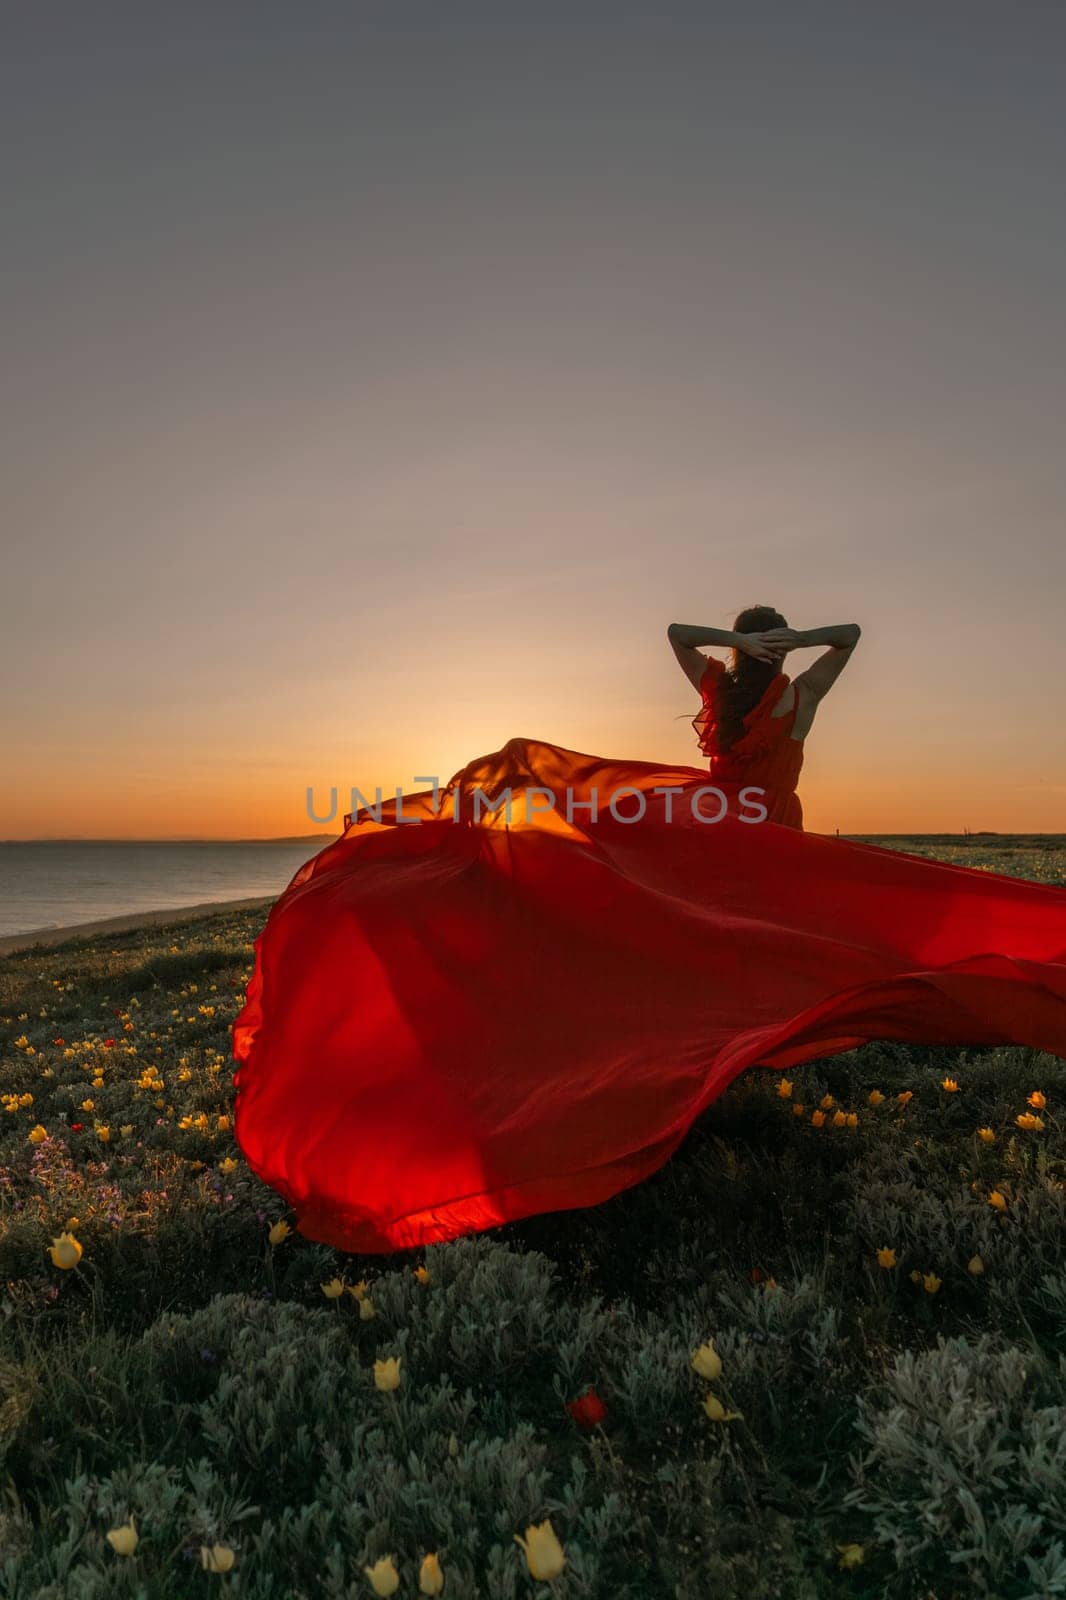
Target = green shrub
(965,1471)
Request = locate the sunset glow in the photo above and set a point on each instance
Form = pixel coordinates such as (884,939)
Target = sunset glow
(373,397)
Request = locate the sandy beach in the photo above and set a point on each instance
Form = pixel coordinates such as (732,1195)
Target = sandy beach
(47,937)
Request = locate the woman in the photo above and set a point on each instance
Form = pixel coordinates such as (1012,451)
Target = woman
(754,719)
(511,1009)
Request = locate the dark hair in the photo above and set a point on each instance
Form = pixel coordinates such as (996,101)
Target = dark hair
(743,683)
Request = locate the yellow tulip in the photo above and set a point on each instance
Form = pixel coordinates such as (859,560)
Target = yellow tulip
(333,1289)
(707,1362)
(358,1290)
(430,1577)
(997,1200)
(975,1266)
(817,1118)
(219,1558)
(853,1119)
(826,1101)
(950,1085)
(931,1283)
(544,1553)
(839,1119)
(875,1097)
(37,1135)
(65,1251)
(784,1088)
(886,1257)
(126,1129)
(1037,1100)
(907,1094)
(88,1105)
(384,1579)
(851,1556)
(798,1109)
(422,1274)
(717,1412)
(387,1373)
(227,1165)
(366,1309)
(123,1540)
(1026,1119)
(279,1231)
(103,1132)
(986,1135)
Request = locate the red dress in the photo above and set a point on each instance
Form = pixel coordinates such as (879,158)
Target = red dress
(766,755)
(457,1019)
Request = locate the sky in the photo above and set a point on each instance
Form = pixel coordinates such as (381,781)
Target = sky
(380,381)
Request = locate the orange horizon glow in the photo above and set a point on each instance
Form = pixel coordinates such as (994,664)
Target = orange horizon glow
(878,760)
(911,739)
(261,802)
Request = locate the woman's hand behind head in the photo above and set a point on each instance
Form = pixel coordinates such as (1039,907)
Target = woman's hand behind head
(763,646)
(783,639)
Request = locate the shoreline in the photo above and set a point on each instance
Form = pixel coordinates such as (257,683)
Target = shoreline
(126,923)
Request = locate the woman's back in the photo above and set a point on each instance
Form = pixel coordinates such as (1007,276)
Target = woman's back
(768,755)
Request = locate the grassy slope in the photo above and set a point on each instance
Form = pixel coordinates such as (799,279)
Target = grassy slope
(193,1375)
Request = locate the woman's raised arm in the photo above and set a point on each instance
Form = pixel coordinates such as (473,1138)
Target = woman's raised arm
(685,636)
(820,676)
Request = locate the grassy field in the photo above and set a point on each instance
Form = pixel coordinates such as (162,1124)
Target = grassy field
(886,1297)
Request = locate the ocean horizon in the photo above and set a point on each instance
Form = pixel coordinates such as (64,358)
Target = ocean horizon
(60,883)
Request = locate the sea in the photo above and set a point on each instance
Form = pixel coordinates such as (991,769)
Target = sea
(60,883)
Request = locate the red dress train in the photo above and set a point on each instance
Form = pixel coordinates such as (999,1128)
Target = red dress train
(459,1017)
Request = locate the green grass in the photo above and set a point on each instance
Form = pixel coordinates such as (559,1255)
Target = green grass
(193,1375)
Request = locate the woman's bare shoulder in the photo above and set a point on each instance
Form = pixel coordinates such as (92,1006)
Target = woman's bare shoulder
(794,698)
(785,701)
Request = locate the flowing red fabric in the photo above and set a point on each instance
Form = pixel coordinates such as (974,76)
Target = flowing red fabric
(459,1017)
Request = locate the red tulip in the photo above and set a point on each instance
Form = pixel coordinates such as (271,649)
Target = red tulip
(76,1127)
(589,1410)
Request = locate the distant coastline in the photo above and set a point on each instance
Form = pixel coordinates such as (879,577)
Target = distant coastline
(48,937)
(59,884)
(989,838)
(181,838)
